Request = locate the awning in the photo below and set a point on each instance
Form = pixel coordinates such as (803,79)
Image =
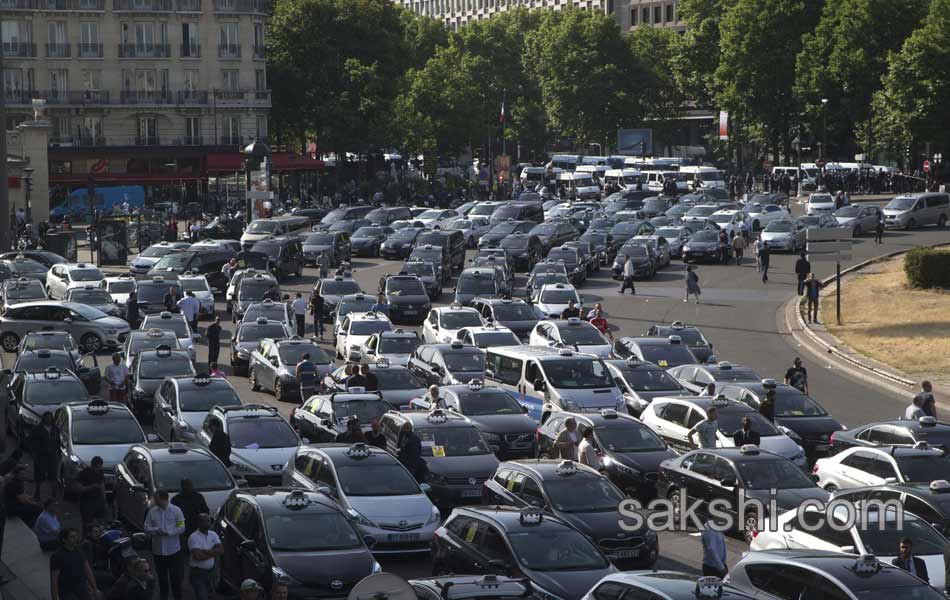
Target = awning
(282,162)
(127,179)
(225,162)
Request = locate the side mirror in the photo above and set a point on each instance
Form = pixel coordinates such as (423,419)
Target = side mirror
(489,374)
(152,438)
(305,441)
(425,487)
(539,385)
(525,409)
(728,482)
(813,477)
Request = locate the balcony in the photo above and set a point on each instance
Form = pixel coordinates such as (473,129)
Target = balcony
(142,5)
(144,50)
(57,51)
(230,140)
(58,97)
(188,5)
(18,5)
(16,96)
(193,97)
(91,5)
(139,97)
(229,50)
(19,50)
(90,50)
(259,51)
(263,7)
(146,140)
(190,51)
(229,96)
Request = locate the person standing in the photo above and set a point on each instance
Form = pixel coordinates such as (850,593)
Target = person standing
(410,453)
(764,259)
(204,546)
(374,437)
(192,503)
(587,452)
(714,551)
(220,444)
(707,430)
(170,300)
(879,230)
(812,292)
(323,262)
(692,284)
(724,246)
(165,523)
(629,270)
(135,584)
(925,399)
(568,440)
(910,563)
(571,312)
(434,399)
(91,485)
(797,376)
(132,309)
(746,435)
(371,381)
(70,575)
(738,247)
(316,309)
(802,269)
(306,373)
(213,335)
(117,376)
(600,322)
(299,306)
(44,442)
(767,408)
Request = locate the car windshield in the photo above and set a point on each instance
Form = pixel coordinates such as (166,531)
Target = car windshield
(407,234)
(291,354)
(203,399)
(252,332)
(691,337)
(369,327)
(393,378)
(807,220)
(27,265)
(735,374)
(882,540)
(482,210)
(155,293)
(461,223)
(366,411)
(731,421)
(101,430)
(555,547)
(780,226)
(670,233)
(496,338)
(319,239)
(25,292)
(32,362)
(634,250)
(911,592)
(789,402)
(208,475)
(628,438)
(310,532)
(848,211)
(367,232)
(705,236)
(52,392)
(724,218)
(667,355)
(822,199)
(97,296)
(160,367)
(772,474)
(376,480)
(452,441)
(582,334)
(542,279)
(271,312)
(254,289)
(254,432)
(398,345)
(649,380)
(470,284)
(332,287)
(157,251)
(174,262)
(568,255)
(488,402)
(515,242)
(431,214)
(405,286)
(83,274)
(464,361)
(899,203)
(514,312)
(350,306)
(558,296)
(625,228)
(656,204)
(459,319)
(262,227)
(923,468)
(176,325)
(140,343)
(506,228)
(422,269)
(49,342)
(507,212)
(433,254)
(583,494)
(577,373)
(701,211)
(121,287)
(544,229)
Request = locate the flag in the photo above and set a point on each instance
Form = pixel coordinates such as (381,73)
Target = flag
(501,117)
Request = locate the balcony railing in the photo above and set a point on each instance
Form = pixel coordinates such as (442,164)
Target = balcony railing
(133,97)
(259,51)
(230,140)
(193,97)
(229,95)
(229,50)
(142,5)
(90,50)
(57,50)
(19,50)
(58,97)
(188,5)
(18,5)
(243,6)
(96,5)
(146,140)
(145,51)
(19,96)
(140,97)
(190,50)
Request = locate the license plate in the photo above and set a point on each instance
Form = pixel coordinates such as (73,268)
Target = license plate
(402,537)
(626,553)
(822,447)
(473,493)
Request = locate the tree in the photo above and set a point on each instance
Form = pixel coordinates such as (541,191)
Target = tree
(697,50)
(655,49)
(844,58)
(421,37)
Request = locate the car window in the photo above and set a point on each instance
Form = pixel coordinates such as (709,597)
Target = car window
(704,464)
(881,467)
(782,581)
(675,413)
(883,436)
(694,417)
(492,545)
(245,520)
(531,493)
(821,528)
(922,510)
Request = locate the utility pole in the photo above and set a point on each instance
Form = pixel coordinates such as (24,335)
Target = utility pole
(4,183)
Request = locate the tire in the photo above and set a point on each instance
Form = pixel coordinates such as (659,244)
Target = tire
(544,455)
(90,342)
(942,221)
(10,341)
(252,380)
(279,393)
(749,523)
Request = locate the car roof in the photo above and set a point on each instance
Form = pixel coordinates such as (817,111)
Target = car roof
(550,468)
(80,411)
(367,316)
(247,411)
(271,499)
(425,418)
(48,374)
(454,308)
(508,518)
(672,584)
(344,453)
(838,564)
(738,455)
(707,402)
(558,286)
(175,451)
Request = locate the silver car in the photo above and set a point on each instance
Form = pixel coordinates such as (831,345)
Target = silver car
(96,297)
(176,323)
(181,404)
(270,310)
(376,491)
(784,236)
(860,218)
(273,366)
(93,328)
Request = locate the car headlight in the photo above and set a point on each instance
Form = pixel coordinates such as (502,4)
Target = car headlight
(491,437)
(437,479)
(281,576)
(112,331)
(359,519)
(241,467)
(434,517)
(29,417)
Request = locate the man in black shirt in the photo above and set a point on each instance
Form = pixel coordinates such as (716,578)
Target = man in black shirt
(746,435)
(797,376)
(213,334)
(220,444)
(802,269)
(170,300)
(192,504)
(18,503)
(92,492)
(70,574)
(571,311)
(372,383)
(374,437)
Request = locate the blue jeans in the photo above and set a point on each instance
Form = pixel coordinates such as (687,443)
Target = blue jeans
(200,583)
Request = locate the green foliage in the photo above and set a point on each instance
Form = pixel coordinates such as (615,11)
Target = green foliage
(928,268)
(697,52)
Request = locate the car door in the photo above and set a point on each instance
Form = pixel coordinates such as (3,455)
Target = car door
(271,364)
(856,470)
(672,425)
(701,475)
(455,551)
(248,556)
(162,410)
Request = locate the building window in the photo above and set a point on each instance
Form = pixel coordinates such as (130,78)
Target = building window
(144,80)
(148,134)
(657,15)
(262,127)
(89,45)
(645,16)
(61,129)
(89,130)
(190,48)
(17,38)
(91,80)
(231,130)
(191,80)
(58,82)
(260,79)
(669,13)
(229,79)
(193,131)
(258,40)
(229,45)
(633,17)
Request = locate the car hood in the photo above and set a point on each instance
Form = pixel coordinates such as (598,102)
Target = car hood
(597,525)
(519,328)
(893,212)
(702,245)
(645,462)
(112,454)
(112,323)
(810,426)
(480,466)
(769,236)
(413,299)
(781,445)
(791,498)
(265,460)
(599,350)
(120,298)
(334,572)
(569,585)
(332,299)
(365,240)
(144,261)
(392,509)
(194,419)
(463,377)
(246,346)
(502,424)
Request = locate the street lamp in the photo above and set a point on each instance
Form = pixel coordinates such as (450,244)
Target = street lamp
(254,155)
(28,186)
(938,158)
(824,127)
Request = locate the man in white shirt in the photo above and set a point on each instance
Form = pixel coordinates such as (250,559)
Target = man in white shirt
(707,429)
(567,440)
(587,450)
(165,523)
(189,306)
(300,306)
(117,374)
(204,546)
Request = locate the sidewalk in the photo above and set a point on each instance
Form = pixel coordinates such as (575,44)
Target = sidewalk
(24,564)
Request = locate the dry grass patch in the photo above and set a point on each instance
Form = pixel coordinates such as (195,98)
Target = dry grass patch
(885,319)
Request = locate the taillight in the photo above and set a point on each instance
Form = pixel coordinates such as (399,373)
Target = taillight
(755,534)
(814,469)
(831,440)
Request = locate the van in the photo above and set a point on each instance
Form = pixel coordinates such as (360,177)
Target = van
(707,176)
(622,178)
(532,177)
(285,254)
(655,179)
(546,380)
(451,241)
(518,211)
(260,229)
(578,186)
(914,210)
(596,171)
(594,160)
(567,162)
(388,215)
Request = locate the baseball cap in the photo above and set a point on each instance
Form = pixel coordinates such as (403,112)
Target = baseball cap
(249,584)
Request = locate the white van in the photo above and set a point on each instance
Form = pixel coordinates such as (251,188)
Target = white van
(709,177)
(578,185)
(532,177)
(624,178)
(594,160)
(597,171)
(567,162)
(546,380)
(655,179)
(260,229)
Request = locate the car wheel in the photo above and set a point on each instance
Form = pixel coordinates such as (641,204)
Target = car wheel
(750,525)
(10,341)
(252,380)
(91,342)
(942,221)
(279,391)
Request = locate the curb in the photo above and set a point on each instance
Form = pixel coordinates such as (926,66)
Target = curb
(796,305)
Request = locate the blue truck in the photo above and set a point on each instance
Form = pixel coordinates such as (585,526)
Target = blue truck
(105,200)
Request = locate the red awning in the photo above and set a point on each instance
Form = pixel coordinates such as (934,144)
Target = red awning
(232,163)
(282,162)
(107,178)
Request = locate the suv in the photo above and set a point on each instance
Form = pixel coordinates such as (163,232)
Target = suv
(452,242)
(322,418)
(285,253)
(35,393)
(62,277)
(336,244)
(204,262)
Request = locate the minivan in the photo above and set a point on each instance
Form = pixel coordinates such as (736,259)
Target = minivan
(388,215)
(623,178)
(545,380)
(285,254)
(914,210)
(518,211)
(451,241)
(578,185)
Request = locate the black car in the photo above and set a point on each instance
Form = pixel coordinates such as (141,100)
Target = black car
(656,206)
(347,227)
(663,352)
(702,246)
(399,243)
(314,215)
(222,229)
(149,369)
(427,273)
(451,242)
(579,495)
(434,255)
(524,250)
(929,501)
(625,200)
(903,432)
(477,282)
(457,458)
(346,213)
(387,215)
(604,248)
(644,262)
(500,231)
(407,298)
(447,364)
(560,561)
(809,422)
(31,394)
(503,422)
(573,263)
(86,368)
(719,474)
(694,339)
(336,244)
(366,241)
(536,281)
(151,294)
(201,262)
(322,418)
(44,257)
(552,234)
(624,230)
(285,254)
(515,314)
(332,290)
(300,538)
(631,452)
(589,257)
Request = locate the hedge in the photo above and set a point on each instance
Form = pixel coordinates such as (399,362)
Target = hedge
(928,267)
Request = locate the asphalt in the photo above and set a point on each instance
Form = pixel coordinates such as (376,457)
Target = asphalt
(741,316)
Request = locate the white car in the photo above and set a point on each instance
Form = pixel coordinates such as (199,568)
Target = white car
(176,323)
(762,214)
(355,331)
(697,216)
(551,300)
(729,220)
(394,346)
(144,262)
(198,285)
(227,245)
(119,288)
(821,203)
(872,539)
(66,276)
(488,336)
(861,466)
(436,216)
(571,333)
(443,323)
(789,235)
(471,228)
(671,418)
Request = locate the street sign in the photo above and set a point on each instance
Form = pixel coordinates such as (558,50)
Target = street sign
(766,164)
(820,163)
(831,234)
(830,257)
(826,247)
(926,166)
